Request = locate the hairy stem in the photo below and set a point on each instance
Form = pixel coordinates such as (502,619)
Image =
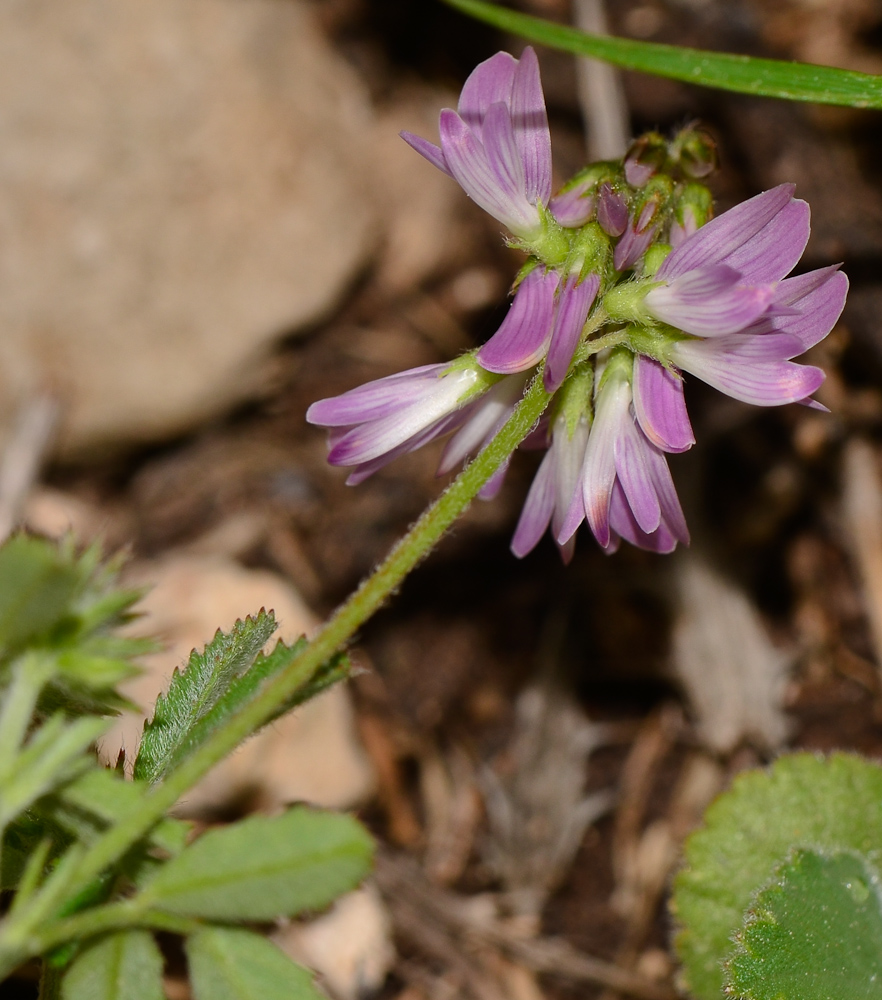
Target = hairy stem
(25,938)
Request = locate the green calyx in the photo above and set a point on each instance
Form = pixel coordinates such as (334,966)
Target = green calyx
(482,380)
(551,245)
(693,200)
(619,367)
(624,302)
(574,399)
(655,341)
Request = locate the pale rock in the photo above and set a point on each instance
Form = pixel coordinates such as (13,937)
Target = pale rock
(180,183)
(350,947)
(311,754)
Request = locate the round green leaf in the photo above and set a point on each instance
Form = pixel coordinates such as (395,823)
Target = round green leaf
(828,804)
(814,934)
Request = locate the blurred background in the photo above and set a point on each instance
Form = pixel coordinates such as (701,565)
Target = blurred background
(207,222)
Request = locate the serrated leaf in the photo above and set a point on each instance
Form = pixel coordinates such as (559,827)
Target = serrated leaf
(55,754)
(831,804)
(264,867)
(742,74)
(245,689)
(194,691)
(36,587)
(122,966)
(227,964)
(815,933)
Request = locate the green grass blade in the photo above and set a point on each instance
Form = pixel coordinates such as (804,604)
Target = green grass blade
(792,81)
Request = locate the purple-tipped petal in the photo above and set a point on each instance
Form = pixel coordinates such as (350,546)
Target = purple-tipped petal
(374,400)
(573,208)
(763,383)
(599,471)
(624,525)
(631,247)
(660,406)
(480,179)
(573,304)
(612,212)
(368,441)
(633,472)
(775,250)
(727,233)
(819,297)
(436,430)
(531,127)
(502,152)
(709,302)
(490,82)
(434,154)
(569,454)
(521,340)
(537,510)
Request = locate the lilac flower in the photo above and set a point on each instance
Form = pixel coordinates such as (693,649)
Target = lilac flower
(497,144)
(626,490)
(557,478)
(376,423)
(724,284)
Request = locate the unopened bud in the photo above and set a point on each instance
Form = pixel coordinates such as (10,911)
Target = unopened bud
(645,158)
(696,153)
(612,211)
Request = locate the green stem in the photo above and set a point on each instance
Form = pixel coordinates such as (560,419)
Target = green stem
(22,939)
(113,917)
(28,933)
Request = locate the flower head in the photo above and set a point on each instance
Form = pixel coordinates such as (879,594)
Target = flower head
(628,284)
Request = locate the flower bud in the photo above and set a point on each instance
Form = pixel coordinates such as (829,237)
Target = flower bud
(645,157)
(696,153)
(612,211)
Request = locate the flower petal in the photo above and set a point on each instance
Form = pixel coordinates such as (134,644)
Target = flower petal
(536,513)
(573,208)
(599,471)
(573,303)
(521,340)
(486,417)
(502,152)
(709,301)
(660,406)
(775,250)
(470,164)
(490,82)
(530,122)
(633,472)
(434,154)
(438,429)
(376,399)
(368,441)
(763,383)
(727,233)
(624,525)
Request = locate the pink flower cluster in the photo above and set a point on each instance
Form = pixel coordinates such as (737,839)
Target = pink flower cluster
(626,253)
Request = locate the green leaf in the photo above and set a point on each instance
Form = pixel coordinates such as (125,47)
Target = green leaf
(101,797)
(36,587)
(227,964)
(264,867)
(194,691)
(122,966)
(54,755)
(814,934)
(743,74)
(248,686)
(831,804)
